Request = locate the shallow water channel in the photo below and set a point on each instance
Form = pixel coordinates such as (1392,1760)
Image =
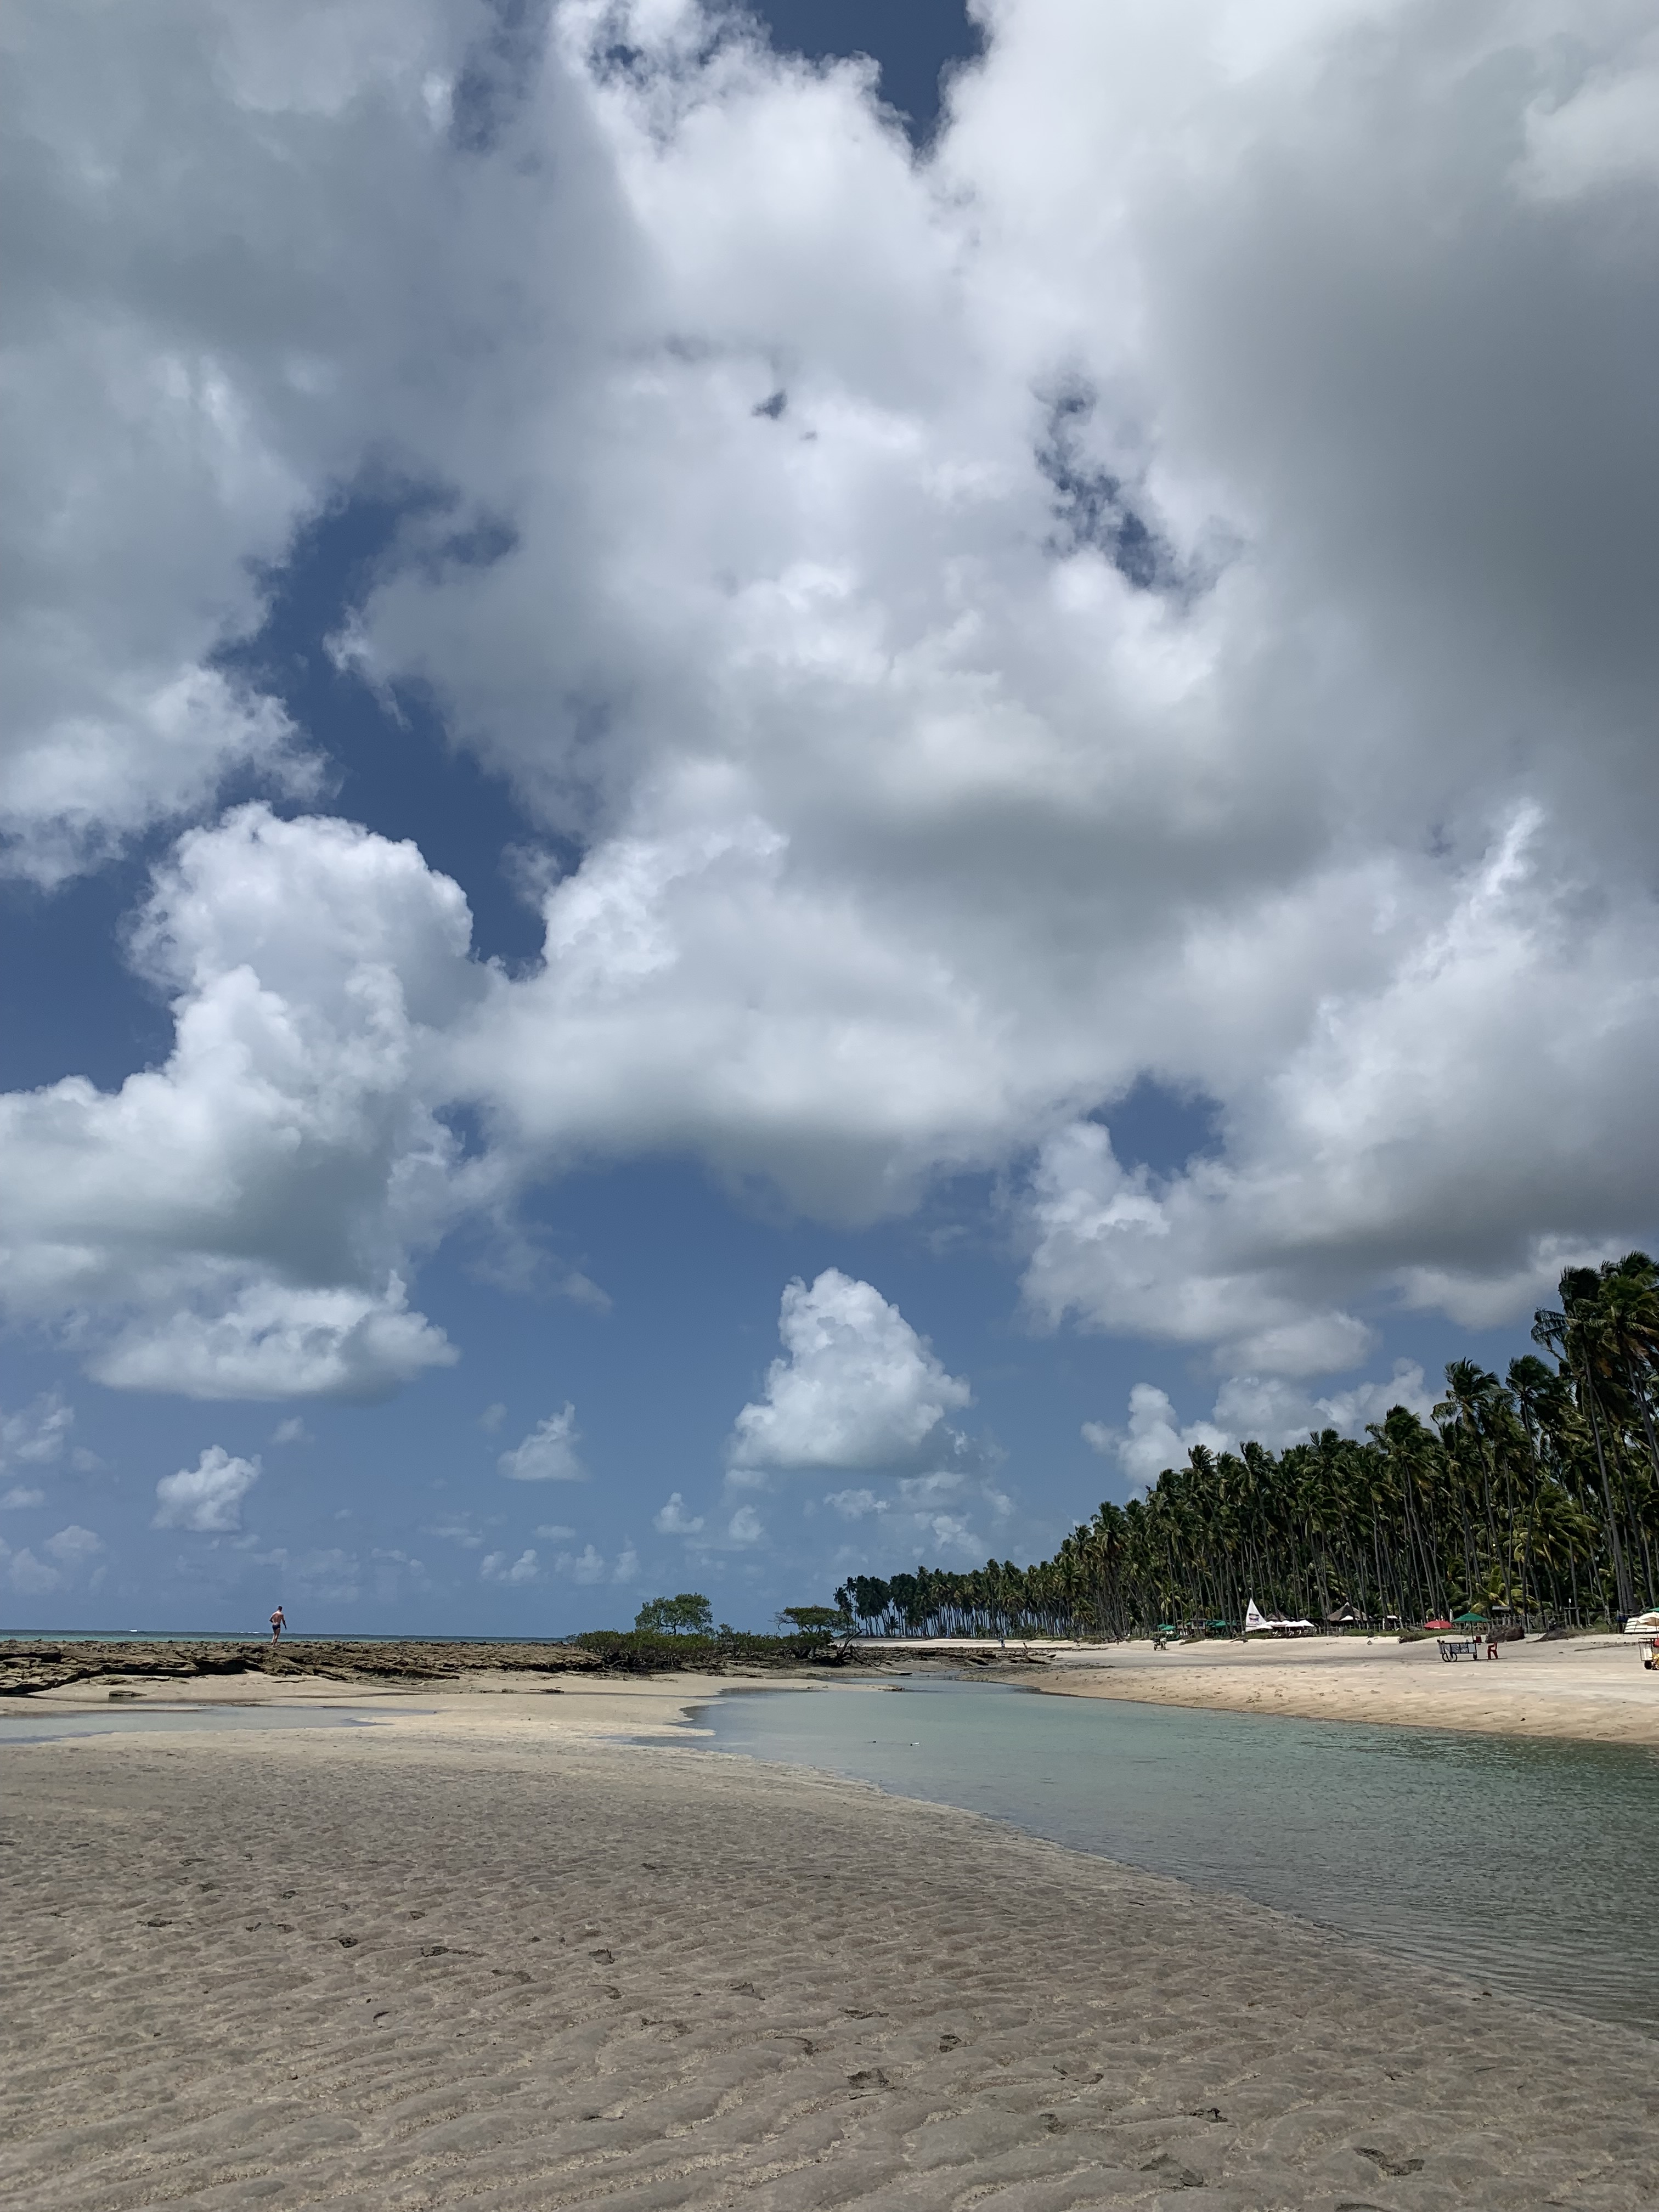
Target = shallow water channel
(47,1724)
(1528,1866)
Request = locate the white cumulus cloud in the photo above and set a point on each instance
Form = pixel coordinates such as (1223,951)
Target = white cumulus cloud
(955,1515)
(590,1566)
(1188,614)
(1263,1408)
(502,1567)
(37,1436)
(673,1520)
(72,1551)
(177,405)
(208,1496)
(74,1548)
(548,1453)
(236,1224)
(857,1387)
(28,1576)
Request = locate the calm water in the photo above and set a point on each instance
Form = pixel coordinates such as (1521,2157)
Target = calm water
(1530,1867)
(46,1726)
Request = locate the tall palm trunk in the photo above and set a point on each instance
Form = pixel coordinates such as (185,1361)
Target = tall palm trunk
(1624,1595)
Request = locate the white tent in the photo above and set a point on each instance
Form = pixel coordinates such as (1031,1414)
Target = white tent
(1256,1620)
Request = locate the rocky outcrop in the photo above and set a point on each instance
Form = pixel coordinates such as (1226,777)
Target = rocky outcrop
(27,1666)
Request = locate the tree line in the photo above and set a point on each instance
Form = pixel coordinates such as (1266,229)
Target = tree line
(1536,1495)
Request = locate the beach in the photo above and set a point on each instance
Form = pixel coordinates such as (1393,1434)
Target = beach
(483,1954)
(1592,1689)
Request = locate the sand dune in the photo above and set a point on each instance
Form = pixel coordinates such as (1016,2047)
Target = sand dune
(503,1965)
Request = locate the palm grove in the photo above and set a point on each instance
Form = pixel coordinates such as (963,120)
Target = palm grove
(1538,1494)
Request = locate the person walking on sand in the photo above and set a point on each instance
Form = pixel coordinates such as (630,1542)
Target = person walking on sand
(277,1625)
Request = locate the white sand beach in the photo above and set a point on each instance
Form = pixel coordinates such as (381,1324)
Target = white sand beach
(481,1956)
(1591,1688)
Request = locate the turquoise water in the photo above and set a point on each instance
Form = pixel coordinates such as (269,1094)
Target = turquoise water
(1530,1867)
(45,1726)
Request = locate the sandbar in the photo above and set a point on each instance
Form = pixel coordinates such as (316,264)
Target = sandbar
(482,1954)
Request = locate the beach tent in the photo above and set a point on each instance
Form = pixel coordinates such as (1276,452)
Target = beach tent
(1273,1624)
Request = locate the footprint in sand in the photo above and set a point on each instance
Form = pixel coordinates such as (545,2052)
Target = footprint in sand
(1393,2167)
(1181,2176)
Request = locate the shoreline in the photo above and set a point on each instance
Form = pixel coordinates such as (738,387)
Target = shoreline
(493,1708)
(479,1953)
(1585,1690)
(1588,1690)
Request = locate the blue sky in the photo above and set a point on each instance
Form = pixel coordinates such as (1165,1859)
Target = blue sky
(748,839)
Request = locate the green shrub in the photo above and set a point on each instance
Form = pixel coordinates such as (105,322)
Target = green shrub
(648,1651)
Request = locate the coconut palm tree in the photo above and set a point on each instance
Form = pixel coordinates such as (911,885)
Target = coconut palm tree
(1539,1488)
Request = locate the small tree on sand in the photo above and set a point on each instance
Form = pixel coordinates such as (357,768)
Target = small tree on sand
(688,1614)
(814,1620)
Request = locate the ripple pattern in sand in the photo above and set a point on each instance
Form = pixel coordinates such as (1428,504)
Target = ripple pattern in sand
(349,1973)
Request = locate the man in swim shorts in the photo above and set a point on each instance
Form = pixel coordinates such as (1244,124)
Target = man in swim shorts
(277,1625)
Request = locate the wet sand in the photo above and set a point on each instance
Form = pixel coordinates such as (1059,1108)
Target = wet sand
(481,1956)
(1592,1689)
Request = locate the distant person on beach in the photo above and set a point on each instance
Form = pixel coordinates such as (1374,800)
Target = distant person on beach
(277,1625)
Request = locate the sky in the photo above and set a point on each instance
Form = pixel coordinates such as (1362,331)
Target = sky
(779,787)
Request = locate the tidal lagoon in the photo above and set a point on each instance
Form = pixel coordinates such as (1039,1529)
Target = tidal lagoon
(1524,1867)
